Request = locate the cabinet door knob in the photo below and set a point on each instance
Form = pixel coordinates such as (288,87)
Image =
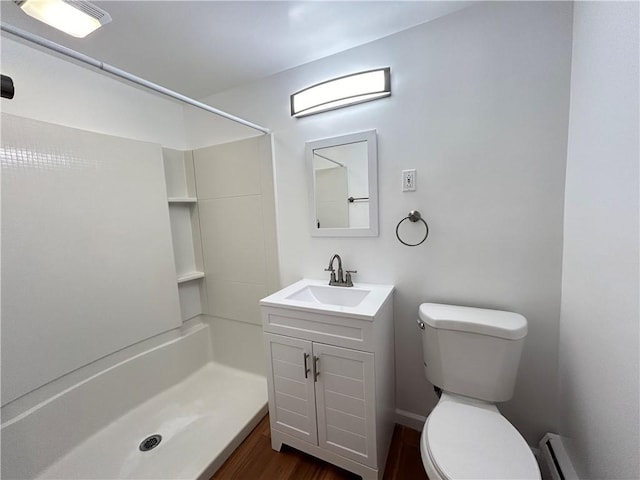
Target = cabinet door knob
(306,369)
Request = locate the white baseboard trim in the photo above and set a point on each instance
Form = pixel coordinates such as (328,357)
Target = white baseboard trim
(410,419)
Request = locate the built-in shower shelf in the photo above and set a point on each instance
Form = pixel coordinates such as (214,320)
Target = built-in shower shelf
(184,218)
(187,277)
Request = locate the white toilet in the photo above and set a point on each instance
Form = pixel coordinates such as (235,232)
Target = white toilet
(472,354)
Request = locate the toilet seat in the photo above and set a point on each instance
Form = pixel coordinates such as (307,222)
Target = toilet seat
(464,438)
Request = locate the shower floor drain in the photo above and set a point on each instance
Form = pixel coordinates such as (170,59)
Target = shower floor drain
(150,442)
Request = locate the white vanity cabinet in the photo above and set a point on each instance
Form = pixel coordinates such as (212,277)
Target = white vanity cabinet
(327,406)
(331,383)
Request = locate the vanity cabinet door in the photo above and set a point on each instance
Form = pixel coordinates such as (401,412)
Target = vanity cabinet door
(292,404)
(345,398)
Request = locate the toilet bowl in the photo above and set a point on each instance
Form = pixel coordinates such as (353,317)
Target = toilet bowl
(472,355)
(469,439)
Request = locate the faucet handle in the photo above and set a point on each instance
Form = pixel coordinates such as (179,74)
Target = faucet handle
(348,280)
(330,269)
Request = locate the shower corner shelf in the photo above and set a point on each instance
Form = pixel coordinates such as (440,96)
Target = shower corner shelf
(184,219)
(187,277)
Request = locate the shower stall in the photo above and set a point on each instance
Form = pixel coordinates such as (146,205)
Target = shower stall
(131,271)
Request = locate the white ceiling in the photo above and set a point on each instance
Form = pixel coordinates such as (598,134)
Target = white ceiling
(199,48)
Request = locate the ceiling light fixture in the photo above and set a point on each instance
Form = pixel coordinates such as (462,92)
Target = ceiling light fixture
(77,18)
(341,92)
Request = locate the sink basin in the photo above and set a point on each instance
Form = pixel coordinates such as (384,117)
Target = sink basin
(329,295)
(363,300)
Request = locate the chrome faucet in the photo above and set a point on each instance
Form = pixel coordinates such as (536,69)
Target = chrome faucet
(339,280)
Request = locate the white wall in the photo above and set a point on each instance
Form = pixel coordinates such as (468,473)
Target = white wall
(480,108)
(53,89)
(599,406)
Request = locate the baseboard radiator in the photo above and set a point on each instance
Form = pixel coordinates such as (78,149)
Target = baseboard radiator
(555,458)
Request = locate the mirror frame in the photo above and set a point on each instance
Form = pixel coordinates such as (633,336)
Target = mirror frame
(368,136)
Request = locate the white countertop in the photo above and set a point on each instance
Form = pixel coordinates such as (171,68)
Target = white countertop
(366,309)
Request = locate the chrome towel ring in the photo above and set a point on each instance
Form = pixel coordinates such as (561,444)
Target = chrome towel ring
(413,217)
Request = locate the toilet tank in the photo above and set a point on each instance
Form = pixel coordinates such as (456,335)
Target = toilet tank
(472,351)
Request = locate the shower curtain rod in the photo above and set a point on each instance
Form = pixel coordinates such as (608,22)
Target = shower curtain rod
(43,42)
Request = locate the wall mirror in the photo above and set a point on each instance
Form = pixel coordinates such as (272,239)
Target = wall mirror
(344,197)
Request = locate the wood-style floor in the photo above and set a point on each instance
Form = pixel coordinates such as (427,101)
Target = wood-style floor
(255,460)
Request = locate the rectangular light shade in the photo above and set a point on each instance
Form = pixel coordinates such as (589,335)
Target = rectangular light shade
(343,91)
(76,18)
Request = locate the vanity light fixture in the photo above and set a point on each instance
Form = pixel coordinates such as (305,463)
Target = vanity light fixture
(341,92)
(77,18)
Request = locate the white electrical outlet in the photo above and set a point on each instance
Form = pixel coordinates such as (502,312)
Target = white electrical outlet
(409,180)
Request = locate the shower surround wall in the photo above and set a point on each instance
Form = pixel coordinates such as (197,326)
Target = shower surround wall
(87,264)
(234,184)
(480,109)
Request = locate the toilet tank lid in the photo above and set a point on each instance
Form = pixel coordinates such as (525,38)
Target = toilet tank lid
(495,323)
